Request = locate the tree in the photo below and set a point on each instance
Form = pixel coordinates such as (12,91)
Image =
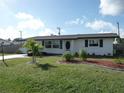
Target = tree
(34,46)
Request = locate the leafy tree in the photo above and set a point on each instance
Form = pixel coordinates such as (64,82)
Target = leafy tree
(34,46)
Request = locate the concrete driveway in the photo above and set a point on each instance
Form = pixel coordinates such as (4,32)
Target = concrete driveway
(14,56)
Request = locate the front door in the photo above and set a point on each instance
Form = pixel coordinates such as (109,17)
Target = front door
(67,45)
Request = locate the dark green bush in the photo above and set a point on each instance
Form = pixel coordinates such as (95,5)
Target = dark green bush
(19,52)
(83,55)
(67,56)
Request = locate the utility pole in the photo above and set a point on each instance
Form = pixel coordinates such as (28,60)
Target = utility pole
(59,29)
(118,29)
(2,51)
(20,37)
(119,32)
(2,45)
(20,34)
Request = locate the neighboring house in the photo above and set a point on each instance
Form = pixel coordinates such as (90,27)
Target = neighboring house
(18,41)
(9,46)
(6,42)
(93,44)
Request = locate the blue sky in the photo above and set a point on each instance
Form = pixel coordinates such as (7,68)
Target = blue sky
(42,17)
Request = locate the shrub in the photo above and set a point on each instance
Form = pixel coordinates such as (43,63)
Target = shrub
(19,52)
(118,61)
(76,54)
(83,55)
(93,54)
(67,56)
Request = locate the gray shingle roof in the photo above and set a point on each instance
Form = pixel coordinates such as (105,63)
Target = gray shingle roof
(78,36)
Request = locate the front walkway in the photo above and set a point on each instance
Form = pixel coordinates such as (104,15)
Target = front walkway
(14,56)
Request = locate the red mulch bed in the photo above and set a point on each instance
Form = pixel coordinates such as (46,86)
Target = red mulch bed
(97,62)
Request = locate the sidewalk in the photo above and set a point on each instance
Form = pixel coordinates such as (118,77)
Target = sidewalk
(14,56)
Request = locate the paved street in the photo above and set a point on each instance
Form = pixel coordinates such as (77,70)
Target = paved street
(14,56)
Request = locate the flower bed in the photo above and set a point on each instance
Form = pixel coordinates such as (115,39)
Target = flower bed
(97,62)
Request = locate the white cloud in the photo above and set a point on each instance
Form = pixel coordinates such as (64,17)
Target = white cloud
(50,31)
(27,23)
(104,27)
(111,7)
(31,24)
(9,32)
(13,32)
(77,21)
(2,4)
(22,15)
(101,25)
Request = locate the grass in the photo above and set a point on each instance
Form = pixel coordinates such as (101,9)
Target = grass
(51,77)
(118,60)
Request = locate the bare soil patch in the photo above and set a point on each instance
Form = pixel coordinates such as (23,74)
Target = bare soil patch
(105,63)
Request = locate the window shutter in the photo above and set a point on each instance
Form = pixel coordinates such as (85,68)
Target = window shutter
(43,43)
(60,44)
(86,43)
(101,43)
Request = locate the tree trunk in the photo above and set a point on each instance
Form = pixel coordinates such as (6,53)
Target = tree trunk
(33,57)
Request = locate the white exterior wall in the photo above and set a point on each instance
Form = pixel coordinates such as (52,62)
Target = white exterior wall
(58,50)
(78,44)
(105,50)
(54,50)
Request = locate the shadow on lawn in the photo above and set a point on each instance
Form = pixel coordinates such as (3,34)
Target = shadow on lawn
(45,66)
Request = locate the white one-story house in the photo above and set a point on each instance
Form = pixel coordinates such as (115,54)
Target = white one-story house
(6,42)
(93,44)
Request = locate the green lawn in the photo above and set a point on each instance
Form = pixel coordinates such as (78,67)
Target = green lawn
(51,77)
(118,60)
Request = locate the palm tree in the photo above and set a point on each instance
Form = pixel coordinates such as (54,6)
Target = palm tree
(34,46)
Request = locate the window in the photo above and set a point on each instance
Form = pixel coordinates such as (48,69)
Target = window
(86,43)
(93,42)
(101,43)
(52,44)
(56,44)
(43,43)
(48,44)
